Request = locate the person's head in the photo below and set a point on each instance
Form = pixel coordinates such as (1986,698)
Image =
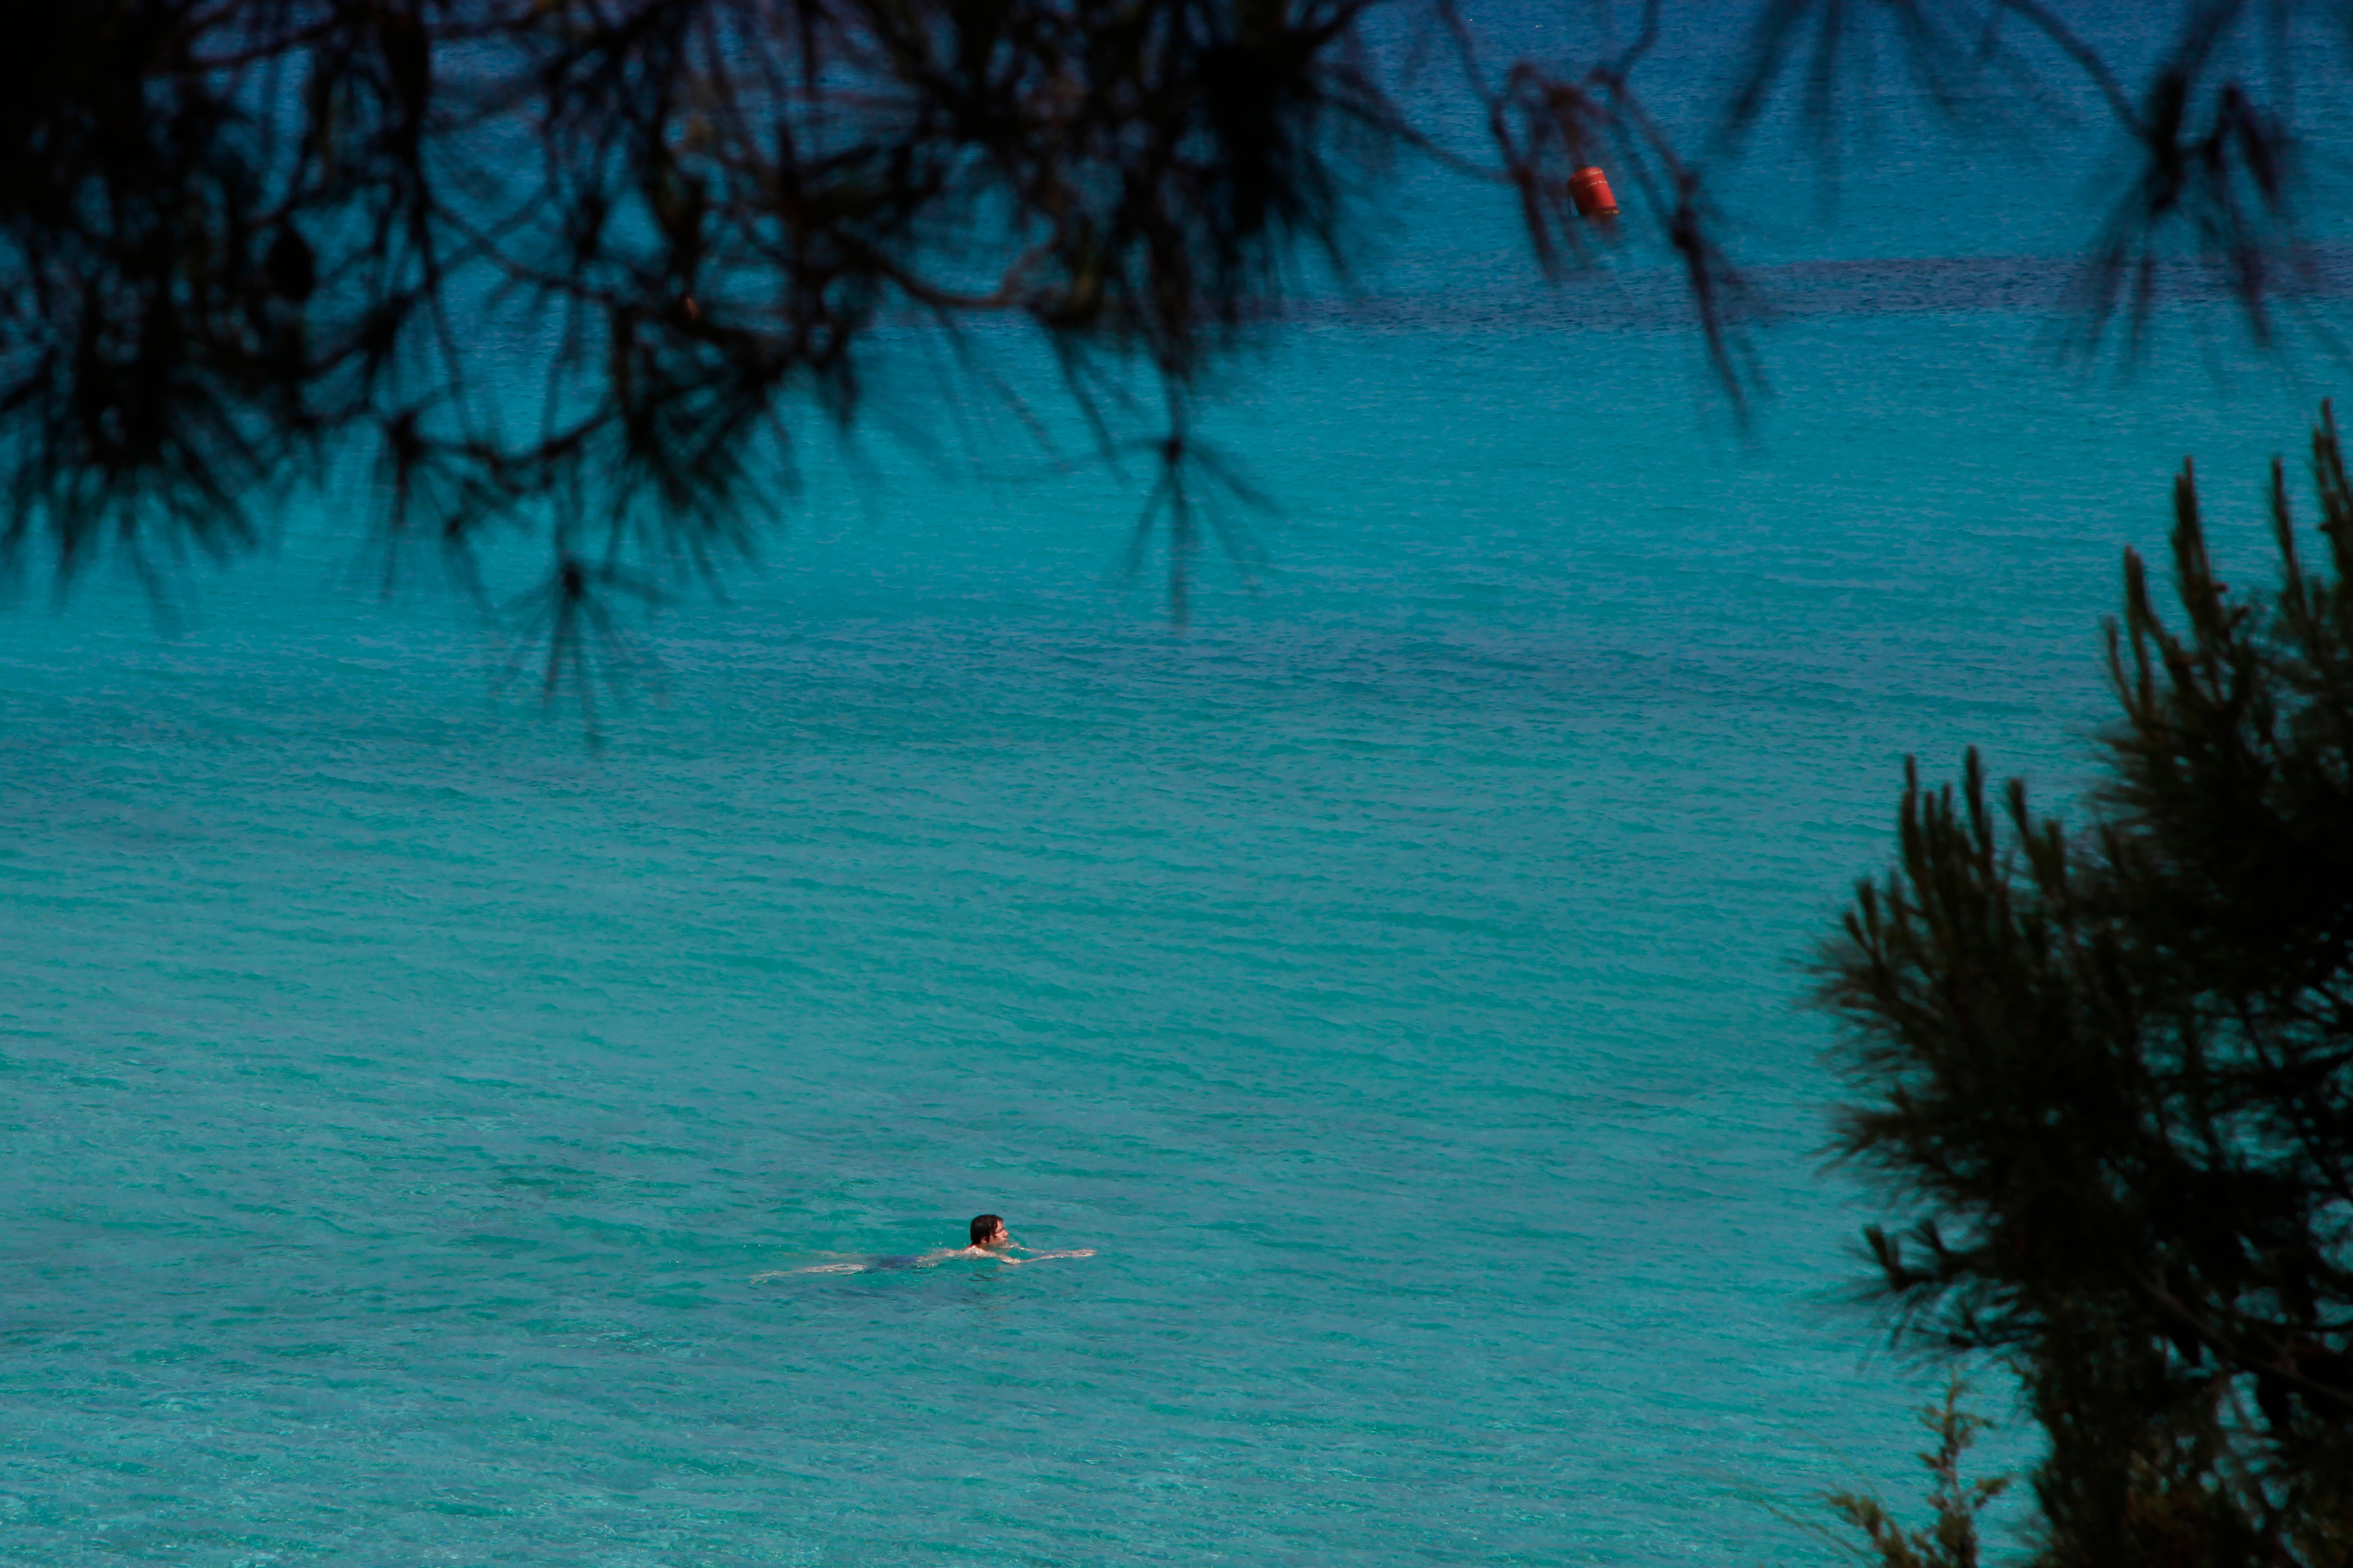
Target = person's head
(988,1230)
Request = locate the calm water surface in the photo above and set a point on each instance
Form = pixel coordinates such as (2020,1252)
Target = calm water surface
(1394,977)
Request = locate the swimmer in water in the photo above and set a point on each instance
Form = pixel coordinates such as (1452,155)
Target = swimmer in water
(990,1239)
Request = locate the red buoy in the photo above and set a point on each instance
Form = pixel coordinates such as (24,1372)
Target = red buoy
(1588,188)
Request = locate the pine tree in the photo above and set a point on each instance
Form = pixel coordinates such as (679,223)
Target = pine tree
(2107,1071)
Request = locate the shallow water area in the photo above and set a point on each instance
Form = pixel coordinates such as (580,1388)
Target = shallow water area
(1394,977)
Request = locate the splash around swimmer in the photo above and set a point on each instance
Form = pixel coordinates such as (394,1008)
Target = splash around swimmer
(991,1240)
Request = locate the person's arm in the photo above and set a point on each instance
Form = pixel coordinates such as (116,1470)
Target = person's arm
(1077,1252)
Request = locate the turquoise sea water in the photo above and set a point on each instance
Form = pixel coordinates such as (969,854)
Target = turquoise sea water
(1394,977)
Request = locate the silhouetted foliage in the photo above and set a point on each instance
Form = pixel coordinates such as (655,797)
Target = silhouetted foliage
(1950,1540)
(2110,1071)
(242,239)
(2210,128)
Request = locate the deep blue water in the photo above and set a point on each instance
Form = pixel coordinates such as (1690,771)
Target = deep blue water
(1395,975)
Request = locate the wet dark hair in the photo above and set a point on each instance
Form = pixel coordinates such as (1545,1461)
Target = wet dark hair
(984,1226)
